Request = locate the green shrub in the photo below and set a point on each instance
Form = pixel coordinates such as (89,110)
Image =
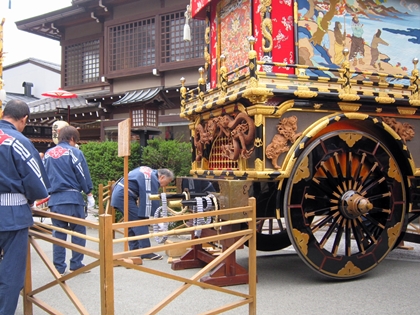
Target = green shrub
(105,165)
(172,154)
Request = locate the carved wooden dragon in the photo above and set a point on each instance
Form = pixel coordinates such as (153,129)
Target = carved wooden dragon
(201,138)
(240,131)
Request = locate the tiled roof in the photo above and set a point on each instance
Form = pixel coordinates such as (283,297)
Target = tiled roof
(148,95)
(52,66)
(49,105)
(17,96)
(138,96)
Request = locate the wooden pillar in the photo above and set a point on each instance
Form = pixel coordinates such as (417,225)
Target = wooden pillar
(27,305)
(252,258)
(106,265)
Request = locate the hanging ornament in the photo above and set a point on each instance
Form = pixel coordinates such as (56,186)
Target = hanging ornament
(187,30)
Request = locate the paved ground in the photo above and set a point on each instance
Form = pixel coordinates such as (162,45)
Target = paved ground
(285,286)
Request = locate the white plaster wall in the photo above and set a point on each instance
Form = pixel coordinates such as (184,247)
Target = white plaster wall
(43,79)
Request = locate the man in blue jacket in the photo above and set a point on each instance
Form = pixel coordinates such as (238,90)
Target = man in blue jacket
(69,175)
(22,181)
(142,182)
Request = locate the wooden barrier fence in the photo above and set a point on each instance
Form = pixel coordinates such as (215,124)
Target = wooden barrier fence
(106,257)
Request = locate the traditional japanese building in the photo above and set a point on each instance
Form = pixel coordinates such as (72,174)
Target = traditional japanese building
(124,59)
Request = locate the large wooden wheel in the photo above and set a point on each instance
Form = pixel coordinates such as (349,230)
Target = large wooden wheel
(271,231)
(345,203)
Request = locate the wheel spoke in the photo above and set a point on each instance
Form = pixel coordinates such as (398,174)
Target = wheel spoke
(325,188)
(372,185)
(338,236)
(320,211)
(374,222)
(358,236)
(347,225)
(339,219)
(357,177)
(323,222)
(369,175)
(366,230)
(327,235)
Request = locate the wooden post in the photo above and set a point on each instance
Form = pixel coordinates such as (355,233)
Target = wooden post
(124,135)
(106,264)
(27,305)
(252,259)
(100,199)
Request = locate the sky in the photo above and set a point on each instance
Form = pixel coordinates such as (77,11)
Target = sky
(20,45)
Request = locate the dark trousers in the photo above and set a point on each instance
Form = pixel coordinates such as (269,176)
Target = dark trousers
(133,211)
(12,268)
(59,252)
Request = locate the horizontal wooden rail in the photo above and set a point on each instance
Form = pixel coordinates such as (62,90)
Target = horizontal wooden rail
(106,257)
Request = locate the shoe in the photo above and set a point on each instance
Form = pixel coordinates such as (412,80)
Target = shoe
(65,273)
(151,256)
(86,271)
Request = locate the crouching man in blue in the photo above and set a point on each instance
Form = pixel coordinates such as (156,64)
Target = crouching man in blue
(142,182)
(22,181)
(69,175)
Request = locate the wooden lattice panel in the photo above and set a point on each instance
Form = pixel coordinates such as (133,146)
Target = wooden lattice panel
(217,160)
(132,45)
(81,63)
(173,47)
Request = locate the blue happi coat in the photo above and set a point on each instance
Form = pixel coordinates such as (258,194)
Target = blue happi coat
(142,182)
(21,172)
(69,175)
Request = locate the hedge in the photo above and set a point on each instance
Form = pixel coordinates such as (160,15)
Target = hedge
(105,165)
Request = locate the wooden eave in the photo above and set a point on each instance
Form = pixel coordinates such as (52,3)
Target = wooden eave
(53,24)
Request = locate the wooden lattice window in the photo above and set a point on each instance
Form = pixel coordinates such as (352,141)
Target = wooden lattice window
(151,118)
(137,118)
(173,47)
(132,45)
(81,63)
(144,117)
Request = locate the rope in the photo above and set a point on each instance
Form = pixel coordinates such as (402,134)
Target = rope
(161,212)
(198,221)
(199,209)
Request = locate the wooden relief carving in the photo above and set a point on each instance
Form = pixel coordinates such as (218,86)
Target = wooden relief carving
(404,130)
(238,128)
(286,135)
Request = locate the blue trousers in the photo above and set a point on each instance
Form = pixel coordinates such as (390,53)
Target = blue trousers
(12,268)
(136,230)
(59,252)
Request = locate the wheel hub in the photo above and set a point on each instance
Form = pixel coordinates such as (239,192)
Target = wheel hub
(354,205)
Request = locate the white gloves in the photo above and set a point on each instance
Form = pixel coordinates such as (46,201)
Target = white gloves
(90,202)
